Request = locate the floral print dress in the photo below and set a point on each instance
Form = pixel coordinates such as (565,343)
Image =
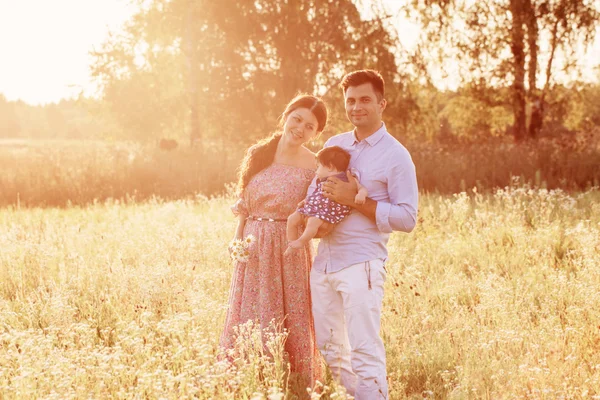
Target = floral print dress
(271,286)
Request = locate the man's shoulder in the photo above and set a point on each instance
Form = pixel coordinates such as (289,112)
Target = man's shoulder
(392,152)
(340,139)
(393,144)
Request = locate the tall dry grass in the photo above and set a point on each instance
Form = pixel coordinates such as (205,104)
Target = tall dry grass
(493,296)
(63,173)
(569,162)
(50,173)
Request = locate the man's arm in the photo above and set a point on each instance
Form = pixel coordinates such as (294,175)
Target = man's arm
(345,192)
(399,214)
(368,209)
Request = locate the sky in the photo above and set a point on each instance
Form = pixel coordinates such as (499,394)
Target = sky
(45,45)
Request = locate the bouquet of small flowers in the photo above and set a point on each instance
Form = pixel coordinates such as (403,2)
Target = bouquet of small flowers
(239,248)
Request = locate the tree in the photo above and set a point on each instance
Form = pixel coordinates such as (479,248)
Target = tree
(228,67)
(499,41)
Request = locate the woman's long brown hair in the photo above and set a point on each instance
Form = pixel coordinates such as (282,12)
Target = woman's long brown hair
(260,155)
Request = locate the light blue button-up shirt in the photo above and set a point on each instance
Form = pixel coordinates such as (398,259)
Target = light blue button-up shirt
(387,171)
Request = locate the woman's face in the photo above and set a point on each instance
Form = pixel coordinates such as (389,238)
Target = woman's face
(300,126)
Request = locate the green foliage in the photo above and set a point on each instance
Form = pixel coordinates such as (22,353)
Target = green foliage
(221,72)
(583,108)
(499,43)
(217,69)
(472,119)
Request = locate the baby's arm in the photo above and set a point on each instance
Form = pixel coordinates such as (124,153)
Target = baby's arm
(362,194)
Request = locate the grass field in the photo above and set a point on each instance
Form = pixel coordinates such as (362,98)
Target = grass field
(493,296)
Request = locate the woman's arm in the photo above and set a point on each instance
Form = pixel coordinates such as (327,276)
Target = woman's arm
(240,210)
(239,230)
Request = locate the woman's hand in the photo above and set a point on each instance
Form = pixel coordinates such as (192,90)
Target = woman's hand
(239,231)
(229,248)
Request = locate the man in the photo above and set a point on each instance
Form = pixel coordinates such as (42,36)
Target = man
(348,273)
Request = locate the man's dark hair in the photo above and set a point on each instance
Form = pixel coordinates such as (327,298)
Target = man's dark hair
(362,76)
(334,157)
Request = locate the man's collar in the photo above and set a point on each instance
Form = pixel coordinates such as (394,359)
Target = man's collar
(371,139)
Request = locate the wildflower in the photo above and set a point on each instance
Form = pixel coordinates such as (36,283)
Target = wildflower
(239,248)
(250,239)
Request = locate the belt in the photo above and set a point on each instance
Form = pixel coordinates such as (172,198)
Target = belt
(253,218)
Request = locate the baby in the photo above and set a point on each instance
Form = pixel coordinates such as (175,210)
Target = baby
(331,161)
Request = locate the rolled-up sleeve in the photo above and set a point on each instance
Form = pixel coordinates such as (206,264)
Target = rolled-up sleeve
(239,208)
(400,213)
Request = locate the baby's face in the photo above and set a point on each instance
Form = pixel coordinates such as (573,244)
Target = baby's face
(325,171)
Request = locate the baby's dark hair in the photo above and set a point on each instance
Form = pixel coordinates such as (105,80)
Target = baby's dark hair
(334,157)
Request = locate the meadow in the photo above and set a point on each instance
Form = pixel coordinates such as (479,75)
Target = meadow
(493,296)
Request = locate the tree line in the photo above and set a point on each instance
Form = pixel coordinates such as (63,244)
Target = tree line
(219,73)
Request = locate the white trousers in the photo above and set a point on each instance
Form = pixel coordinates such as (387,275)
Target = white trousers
(347,312)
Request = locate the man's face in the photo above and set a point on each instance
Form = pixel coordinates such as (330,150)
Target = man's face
(362,107)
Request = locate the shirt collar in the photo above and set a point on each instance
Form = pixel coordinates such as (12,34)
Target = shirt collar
(372,139)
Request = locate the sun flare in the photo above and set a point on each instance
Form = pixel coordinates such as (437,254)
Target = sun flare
(45,45)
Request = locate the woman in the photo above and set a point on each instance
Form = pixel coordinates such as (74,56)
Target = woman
(273,179)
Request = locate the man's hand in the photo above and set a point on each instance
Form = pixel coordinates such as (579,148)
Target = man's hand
(339,191)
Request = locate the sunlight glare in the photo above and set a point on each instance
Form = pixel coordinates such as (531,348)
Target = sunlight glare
(45,45)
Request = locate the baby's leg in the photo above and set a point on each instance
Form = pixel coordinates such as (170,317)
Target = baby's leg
(312,226)
(293,222)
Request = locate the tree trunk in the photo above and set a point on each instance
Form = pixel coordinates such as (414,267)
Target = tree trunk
(532,44)
(518,87)
(535,120)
